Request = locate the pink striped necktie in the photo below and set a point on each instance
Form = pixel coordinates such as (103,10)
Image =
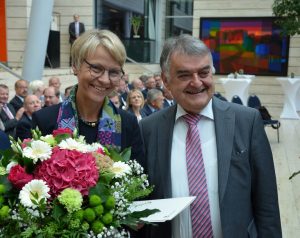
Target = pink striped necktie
(200,211)
(8,112)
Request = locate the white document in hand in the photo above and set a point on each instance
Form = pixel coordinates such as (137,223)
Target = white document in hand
(169,208)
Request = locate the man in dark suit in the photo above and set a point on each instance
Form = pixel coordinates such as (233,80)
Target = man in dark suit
(76,28)
(235,169)
(31,104)
(7,112)
(154,103)
(21,88)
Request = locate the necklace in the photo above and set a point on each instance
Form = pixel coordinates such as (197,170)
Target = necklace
(90,123)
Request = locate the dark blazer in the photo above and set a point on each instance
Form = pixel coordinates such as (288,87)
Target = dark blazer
(46,119)
(5,144)
(9,124)
(166,103)
(141,112)
(24,126)
(16,102)
(246,177)
(146,110)
(72,32)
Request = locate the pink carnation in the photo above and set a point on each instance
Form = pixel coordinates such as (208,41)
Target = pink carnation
(68,169)
(26,142)
(18,176)
(62,131)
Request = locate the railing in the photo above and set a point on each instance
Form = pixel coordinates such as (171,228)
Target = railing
(7,69)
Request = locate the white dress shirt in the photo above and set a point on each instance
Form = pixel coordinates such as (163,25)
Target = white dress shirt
(77,28)
(181,225)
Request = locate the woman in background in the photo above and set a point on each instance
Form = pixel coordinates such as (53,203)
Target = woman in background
(135,102)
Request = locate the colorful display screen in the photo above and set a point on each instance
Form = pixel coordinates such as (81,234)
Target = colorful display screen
(253,44)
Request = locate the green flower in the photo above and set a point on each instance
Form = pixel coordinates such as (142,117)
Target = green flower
(2,171)
(71,199)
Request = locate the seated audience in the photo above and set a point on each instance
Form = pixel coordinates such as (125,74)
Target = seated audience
(21,89)
(55,82)
(149,84)
(135,103)
(31,104)
(154,102)
(169,100)
(67,92)
(8,115)
(37,88)
(138,84)
(115,99)
(51,96)
(158,81)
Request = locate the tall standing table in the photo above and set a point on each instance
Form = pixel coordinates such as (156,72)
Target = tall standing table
(290,88)
(237,86)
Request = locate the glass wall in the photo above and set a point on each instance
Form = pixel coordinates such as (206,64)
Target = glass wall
(122,16)
(179,17)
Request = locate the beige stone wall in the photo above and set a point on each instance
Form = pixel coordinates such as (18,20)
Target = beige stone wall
(18,14)
(66,10)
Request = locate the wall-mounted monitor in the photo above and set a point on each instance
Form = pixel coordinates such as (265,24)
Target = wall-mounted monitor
(253,44)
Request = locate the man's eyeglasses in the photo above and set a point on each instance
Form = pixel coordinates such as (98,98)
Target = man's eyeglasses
(98,70)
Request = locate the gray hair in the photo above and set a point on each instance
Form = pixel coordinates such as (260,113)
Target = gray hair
(184,44)
(153,94)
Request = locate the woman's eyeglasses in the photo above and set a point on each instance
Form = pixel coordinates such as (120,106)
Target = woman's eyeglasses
(98,70)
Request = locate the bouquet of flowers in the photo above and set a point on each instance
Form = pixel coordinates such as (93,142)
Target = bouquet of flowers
(60,186)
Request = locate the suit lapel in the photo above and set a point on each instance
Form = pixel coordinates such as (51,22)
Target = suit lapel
(164,145)
(224,126)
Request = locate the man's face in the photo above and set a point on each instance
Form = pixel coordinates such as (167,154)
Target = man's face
(3,95)
(150,84)
(22,89)
(158,102)
(55,82)
(190,81)
(32,104)
(50,97)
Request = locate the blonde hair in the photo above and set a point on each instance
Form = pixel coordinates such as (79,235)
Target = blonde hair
(88,42)
(128,105)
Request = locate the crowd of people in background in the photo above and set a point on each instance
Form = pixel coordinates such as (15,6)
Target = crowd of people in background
(141,97)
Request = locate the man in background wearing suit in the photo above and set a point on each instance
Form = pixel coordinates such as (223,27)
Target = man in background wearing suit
(8,115)
(76,28)
(21,89)
(31,104)
(233,177)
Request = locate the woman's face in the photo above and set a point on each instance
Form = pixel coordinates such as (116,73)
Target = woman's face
(98,75)
(135,99)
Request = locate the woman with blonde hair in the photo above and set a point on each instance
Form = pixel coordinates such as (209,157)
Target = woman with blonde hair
(135,102)
(98,57)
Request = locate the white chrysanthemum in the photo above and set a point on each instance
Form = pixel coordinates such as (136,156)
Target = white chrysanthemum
(94,147)
(35,186)
(10,165)
(71,144)
(120,169)
(39,150)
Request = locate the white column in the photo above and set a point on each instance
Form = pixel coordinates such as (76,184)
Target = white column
(37,39)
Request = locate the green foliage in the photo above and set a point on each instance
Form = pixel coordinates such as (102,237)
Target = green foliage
(288,12)
(136,22)
(134,191)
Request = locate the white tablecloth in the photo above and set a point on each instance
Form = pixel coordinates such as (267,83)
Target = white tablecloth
(238,86)
(290,88)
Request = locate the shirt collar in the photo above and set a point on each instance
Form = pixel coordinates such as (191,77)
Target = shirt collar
(206,111)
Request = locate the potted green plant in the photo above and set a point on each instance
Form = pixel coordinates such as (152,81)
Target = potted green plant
(136,22)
